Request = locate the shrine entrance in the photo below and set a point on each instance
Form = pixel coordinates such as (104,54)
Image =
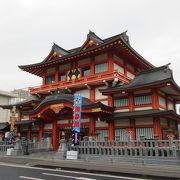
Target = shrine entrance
(66,132)
(56,113)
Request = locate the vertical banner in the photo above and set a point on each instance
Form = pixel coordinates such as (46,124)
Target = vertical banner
(76,119)
(12,118)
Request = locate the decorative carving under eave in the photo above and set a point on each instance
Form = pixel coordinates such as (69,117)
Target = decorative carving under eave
(73,74)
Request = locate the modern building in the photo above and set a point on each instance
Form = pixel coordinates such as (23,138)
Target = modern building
(22,94)
(5,98)
(124,95)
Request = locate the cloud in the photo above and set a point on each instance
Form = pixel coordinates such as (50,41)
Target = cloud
(28,29)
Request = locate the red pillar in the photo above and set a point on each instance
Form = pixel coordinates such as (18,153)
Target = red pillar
(91,126)
(157,127)
(110,62)
(29,133)
(111,133)
(110,101)
(111,129)
(131,102)
(41,130)
(92,94)
(55,142)
(155,99)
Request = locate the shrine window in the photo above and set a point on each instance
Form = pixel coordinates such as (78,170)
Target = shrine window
(101,68)
(120,135)
(141,100)
(50,79)
(62,77)
(121,102)
(86,71)
(102,135)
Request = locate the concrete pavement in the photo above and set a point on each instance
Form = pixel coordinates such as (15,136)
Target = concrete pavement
(163,170)
(16,172)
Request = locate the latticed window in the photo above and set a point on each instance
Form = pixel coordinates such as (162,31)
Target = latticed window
(102,135)
(50,79)
(120,135)
(121,102)
(101,68)
(148,133)
(140,100)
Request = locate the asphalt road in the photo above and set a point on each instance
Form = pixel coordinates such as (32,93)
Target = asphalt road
(17,172)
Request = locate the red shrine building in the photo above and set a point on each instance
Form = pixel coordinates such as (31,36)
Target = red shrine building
(124,95)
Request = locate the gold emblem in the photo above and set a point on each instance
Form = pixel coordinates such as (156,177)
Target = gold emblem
(57,107)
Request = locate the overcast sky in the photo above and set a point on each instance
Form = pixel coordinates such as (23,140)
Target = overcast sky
(28,29)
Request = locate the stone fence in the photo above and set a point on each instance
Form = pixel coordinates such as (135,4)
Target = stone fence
(36,146)
(20,147)
(4,145)
(144,148)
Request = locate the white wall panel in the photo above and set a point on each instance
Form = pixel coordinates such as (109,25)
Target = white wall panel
(162,101)
(98,94)
(170,105)
(144,121)
(62,121)
(130,75)
(85,120)
(104,102)
(121,110)
(142,108)
(84,93)
(121,122)
(101,124)
(119,68)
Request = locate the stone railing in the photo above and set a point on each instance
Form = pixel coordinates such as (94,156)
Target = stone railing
(144,148)
(4,146)
(25,147)
(36,146)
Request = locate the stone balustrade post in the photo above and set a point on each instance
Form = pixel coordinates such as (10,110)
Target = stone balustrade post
(61,153)
(17,150)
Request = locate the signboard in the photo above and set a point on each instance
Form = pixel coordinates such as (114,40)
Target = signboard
(71,155)
(76,119)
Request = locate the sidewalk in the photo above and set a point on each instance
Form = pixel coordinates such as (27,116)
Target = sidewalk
(116,167)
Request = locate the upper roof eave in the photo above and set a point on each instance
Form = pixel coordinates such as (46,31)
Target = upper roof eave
(148,78)
(118,38)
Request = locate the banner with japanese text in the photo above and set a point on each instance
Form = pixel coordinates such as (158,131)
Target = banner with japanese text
(76,119)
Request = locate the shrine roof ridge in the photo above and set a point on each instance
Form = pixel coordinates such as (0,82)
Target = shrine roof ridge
(121,38)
